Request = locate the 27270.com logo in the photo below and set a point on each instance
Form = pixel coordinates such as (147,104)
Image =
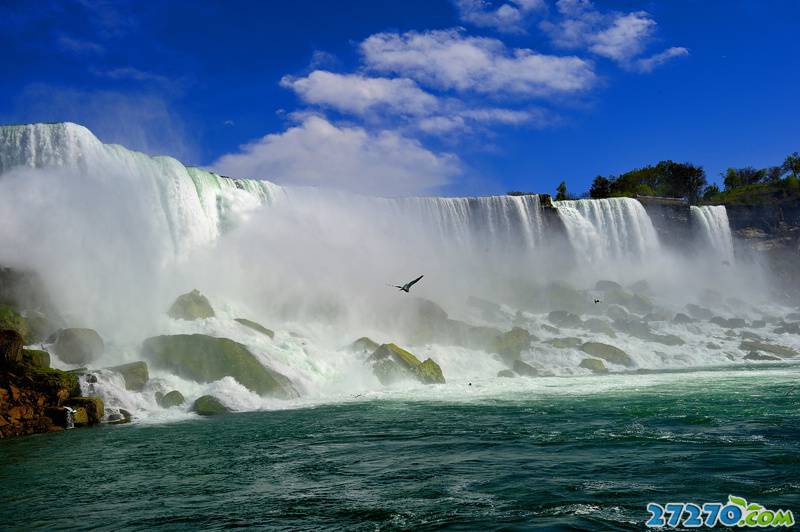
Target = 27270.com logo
(736,512)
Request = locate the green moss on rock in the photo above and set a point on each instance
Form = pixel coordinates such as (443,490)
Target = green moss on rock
(173,398)
(36,357)
(191,306)
(524,369)
(204,358)
(78,346)
(609,353)
(10,319)
(510,345)
(392,363)
(595,365)
(429,372)
(208,405)
(256,327)
(365,344)
(93,405)
(570,342)
(135,375)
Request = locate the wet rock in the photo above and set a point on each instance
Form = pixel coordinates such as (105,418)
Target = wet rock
(595,365)
(36,357)
(173,398)
(747,335)
(392,363)
(635,303)
(788,328)
(764,347)
(755,355)
(641,287)
(524,369)
(208,405)
(256,327)
(609,353)
(135,375)
(570,342)
(10,348)
(510,345)
(562,318)
(93,406)
(119,416)
(191,306)
(364,345)
(758,324)
(617,313)
(429,372)
(606,286)
(550,328)
(506,373)
(598,326)
(78,346)
(682,319)
(698,312)
(12,320)
(793,316)
(712,345)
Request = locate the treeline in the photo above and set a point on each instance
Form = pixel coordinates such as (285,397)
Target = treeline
(688,181)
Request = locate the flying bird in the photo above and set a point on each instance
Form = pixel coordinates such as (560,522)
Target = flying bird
(596,301)
(406,287)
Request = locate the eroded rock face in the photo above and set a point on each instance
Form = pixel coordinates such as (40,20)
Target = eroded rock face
(524,369)
(191,306)
(204,358)
(78,346)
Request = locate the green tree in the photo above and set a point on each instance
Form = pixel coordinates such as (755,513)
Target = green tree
(561,191)
(601,188)
(742,177)
(710,191)
(792,164)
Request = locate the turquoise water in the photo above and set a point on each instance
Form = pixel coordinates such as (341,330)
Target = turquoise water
(521,461)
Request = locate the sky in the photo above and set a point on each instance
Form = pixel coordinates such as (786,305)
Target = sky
(419,97)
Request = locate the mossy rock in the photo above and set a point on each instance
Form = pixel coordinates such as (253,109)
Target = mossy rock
(256,327)
(80,417)
(605,286)
(78,346)
(755,355)
(204,358)
(10,347)
(595,365)
(641,287)
(570,342)
(365,344)
(191,306)
(778,350)
(728,323)
(93,405)
(506,374)
(54,382)
(119,416)
(712,345)
(598,326)
(10,319)
(510,345)
(667,339)
(524,369)
(698,312)
(564,297)
(429,372)
(635,303)
(609,353)
(562,318)
(36,357)
(135,375)
(208,405)
(173,398)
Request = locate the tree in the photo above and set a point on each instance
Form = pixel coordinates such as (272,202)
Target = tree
(710,191)
(601,188)
(742,177)
(792,164)
(561,192)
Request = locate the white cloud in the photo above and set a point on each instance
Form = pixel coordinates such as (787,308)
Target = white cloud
(647,64)
(358,94)
(465,119)
(78,46)
(625,37)
(447,59)
(316,152)
(508,17)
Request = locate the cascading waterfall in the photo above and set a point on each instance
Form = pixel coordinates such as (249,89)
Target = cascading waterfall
(712,223)
(609,229)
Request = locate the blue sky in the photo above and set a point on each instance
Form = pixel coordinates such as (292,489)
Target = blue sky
(416,97)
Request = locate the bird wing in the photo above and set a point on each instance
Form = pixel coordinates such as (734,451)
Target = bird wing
(415,281)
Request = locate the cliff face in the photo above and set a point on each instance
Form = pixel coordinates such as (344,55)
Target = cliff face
(671,219)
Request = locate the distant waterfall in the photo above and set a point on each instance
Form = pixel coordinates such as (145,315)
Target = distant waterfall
(712,222)
(608,229)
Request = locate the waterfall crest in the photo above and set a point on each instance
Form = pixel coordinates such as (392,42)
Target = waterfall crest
(712,223)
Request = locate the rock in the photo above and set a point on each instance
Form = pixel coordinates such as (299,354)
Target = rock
(729,323)
(78,346)
(511,344)
(609,353)
(793,316)
(758,324)
(550,328)
(10,319)
(617,313)
(712,345)
(80,417)
(598,326)
(778,350)
(173,398)
(36,357)
(656,315)
(562,318)
(93,406)
(10,348)
(788,328)
(119,416)
(429,372)
(755,355)
(698,312)
(256,327)
(667,339)
(606,286)
(59,416)
(364,345)
(636,303)
(747,335)
(208,405)
(524,369)
(641,287)
(191,306)
(391,363)
(682,318)
(490,311)
(135,375)
(506,373)
(561,296)
(204,358)
(569,342)
(595,365)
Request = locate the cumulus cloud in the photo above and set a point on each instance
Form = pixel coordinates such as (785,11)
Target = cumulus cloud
(354,93)
(466,119)
(509,17)
(447,59)
(625,37)
(316,152)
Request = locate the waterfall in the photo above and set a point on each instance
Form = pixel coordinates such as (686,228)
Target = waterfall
(712,222)
(70,418)
(608,229)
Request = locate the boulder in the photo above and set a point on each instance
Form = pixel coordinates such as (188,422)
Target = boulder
(392,363)
(569,342)
(778,350)
(135,375)
(682,319)
(173,398)
(93,406)
(561,296)
(364,345)
(712,345)
(617,313)
(119,416)
(598,326)
(36,357)
(550,328)
(506,373)
(429,372)
(793,316)
(562,318)
(256,327)
(191,306)
(758,324)
(208,405)
(524,369)
(728,323)
(636,303)
(511,344)
(747,335)
(78,346)
(606,286)
(595,365)
(698,312)
(609,353)
(788,328)
(755,355)
(80,417)
(641,287)
(204,358)
(10,347)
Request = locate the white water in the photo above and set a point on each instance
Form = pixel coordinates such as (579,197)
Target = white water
(118,235)
(712,223)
